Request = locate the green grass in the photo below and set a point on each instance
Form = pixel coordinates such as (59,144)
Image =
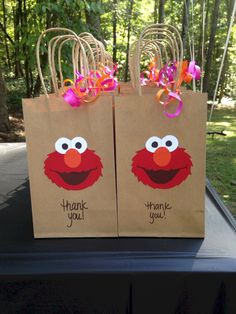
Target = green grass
(221,156)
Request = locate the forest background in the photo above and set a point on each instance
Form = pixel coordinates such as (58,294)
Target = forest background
(117,23)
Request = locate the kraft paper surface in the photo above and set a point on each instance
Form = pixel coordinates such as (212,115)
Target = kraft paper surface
(147,211)
(58,212)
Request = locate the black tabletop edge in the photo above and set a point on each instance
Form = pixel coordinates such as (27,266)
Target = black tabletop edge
(114,265)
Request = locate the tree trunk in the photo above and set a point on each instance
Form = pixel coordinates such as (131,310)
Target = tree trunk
(6,34)
(23,15)
(155,11)
(128,40)
(161,11)
(114,26)
(5,37)
(51,21)
(214,19)
(199,49)
(93,21)
(223,81)
(207,17)
(185,23)
(4,121)
(17,66)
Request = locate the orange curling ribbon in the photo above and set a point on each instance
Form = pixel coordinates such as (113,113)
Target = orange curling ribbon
(93,92)
(166,79)
(87,89)
(160,93)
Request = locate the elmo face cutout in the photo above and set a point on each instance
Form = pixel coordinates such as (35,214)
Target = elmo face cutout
(162,164)
(73,166)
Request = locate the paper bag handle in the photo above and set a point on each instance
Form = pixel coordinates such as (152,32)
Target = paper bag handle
(164,30)
(54,29)
(60,41)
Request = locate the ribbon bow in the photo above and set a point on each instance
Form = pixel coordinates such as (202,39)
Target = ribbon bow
(87,89)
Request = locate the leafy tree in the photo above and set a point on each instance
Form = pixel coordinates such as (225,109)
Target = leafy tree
(117,23)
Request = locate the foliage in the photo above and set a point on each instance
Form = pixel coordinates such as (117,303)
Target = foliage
(25,20)
(15,92)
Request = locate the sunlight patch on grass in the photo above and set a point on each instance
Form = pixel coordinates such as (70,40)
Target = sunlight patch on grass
(224,124)
(230,133)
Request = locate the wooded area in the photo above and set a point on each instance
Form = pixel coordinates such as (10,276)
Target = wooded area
(116,23)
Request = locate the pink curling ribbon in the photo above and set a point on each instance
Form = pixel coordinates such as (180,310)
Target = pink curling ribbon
(82,91)
(167,75)
(103,80)
(165,79)
(109,84)
(170,97)
(171,72)
(71,98)
(194,70)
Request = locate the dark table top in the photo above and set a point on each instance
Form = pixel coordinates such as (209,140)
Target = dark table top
(21,254)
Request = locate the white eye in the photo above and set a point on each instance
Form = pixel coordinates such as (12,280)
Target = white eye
(153,143)
(62,145)
(79,143)
(170,142)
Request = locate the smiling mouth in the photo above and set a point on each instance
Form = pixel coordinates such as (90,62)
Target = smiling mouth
(161,176)
(74,178)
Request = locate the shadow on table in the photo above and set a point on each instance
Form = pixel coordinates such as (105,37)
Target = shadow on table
(16,221)
(15,214)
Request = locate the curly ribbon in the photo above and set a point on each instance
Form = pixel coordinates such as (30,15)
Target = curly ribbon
(103,80)
(151,75)
(71,98)
(160,93)
(189,71)
(166,80)
(194,70)
(170,97)
(89,93)
(70,95)
(167,75)
(173,96)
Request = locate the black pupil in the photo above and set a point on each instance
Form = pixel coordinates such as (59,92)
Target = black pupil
(168,143)
(65,146)
(154,144)
(78,145)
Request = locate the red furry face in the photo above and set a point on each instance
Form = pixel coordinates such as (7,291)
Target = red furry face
(73,166)
(162,164)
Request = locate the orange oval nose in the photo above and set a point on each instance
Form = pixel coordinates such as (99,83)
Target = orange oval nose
(162,156)
(72,158)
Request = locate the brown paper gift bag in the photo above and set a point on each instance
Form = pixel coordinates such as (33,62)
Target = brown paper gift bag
(160,166)
(71,167)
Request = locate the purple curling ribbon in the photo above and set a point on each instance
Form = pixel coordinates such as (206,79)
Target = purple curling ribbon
(71,98)
(77,92)
(109,84)
(173,95)
(194,70)
(167,75)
